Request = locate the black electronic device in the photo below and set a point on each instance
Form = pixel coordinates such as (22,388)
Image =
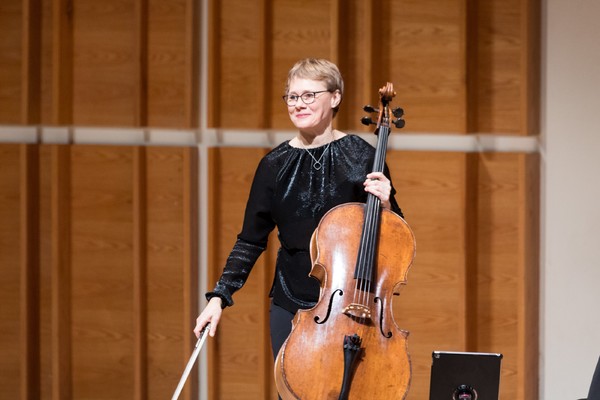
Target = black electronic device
(464,376)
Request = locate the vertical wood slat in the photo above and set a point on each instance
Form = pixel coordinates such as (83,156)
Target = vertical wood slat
(334,36)
(10,270)
(379,36)
(528,276)
(102,274)
(141,60)
(270,260)
(61,272)
(466,47)
(214,242)
(470,51)
(62,63)
(11,52)
(30,272)
(265,26)
(105,70)
(242,344)
(507,306)
(31,61)
(190,259)
(531,27)
(140,250)
(470,286)
(502,77)
(171,276)
(192,56)
(435,194)
(46,295)
(370,20)
(215,64)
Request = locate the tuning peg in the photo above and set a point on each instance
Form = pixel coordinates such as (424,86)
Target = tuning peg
(399,123)
(367,121)
(370,109)
(398,112)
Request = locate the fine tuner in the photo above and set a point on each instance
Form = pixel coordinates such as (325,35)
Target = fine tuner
(397,112)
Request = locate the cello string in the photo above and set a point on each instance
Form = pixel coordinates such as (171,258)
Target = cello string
(367,268)
(362,258)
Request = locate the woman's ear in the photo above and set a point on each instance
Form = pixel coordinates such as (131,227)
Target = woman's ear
(336,99)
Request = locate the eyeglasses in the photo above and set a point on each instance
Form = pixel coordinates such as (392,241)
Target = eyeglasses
(307,98)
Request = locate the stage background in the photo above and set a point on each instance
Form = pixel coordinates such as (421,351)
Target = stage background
(131,130)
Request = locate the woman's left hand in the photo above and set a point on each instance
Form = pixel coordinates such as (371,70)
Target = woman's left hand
(379,185)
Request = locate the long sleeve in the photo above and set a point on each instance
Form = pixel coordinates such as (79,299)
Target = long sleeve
(242,258)
(252,240)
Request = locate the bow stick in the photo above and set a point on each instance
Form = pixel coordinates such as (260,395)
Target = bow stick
(190,364)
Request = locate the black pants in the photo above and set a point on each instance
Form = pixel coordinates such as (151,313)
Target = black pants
(280,321)
(281,325)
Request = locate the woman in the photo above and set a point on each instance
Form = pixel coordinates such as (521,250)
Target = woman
(294,186)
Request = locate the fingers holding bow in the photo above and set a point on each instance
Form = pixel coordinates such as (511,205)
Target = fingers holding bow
(379,185)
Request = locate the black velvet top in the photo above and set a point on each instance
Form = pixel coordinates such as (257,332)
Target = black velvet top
(289,193)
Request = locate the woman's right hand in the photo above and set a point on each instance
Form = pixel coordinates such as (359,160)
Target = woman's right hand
(211,314)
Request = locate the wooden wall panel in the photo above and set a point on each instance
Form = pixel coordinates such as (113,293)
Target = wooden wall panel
(299,30)
(463,66)
(11,29)
(119,63)
(54,302)
(98,262)
(112,240)
(46,58)
(506,66)
(45,301)
(458,67)
(29,271)
(507,267)
(102,273)
(105,74)
(171,278)
(432,192)
(425,57)
(172,66)
(240,356)
(10,263)
(57,62)
(356,48)
(60,264)
(237,75)
(31,49)
(19,267)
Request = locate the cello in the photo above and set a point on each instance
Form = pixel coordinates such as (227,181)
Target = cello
(348,346)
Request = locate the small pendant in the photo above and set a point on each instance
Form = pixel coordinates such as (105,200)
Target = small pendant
(317,165)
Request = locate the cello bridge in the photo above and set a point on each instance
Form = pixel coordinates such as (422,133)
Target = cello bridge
(357,311)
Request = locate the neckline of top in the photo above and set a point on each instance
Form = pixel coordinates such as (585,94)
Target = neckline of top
(318,147)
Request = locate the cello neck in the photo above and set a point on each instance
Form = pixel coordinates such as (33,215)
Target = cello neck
(367,252)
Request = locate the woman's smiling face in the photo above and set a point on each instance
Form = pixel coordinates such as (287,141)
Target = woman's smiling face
(314,117)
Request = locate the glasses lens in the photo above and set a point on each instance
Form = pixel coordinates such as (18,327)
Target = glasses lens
(290,99)
(308,98)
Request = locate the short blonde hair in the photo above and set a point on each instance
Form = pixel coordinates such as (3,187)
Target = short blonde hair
(318,69)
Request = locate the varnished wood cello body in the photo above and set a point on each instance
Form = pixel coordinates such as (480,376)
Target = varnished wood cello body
(349,347)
